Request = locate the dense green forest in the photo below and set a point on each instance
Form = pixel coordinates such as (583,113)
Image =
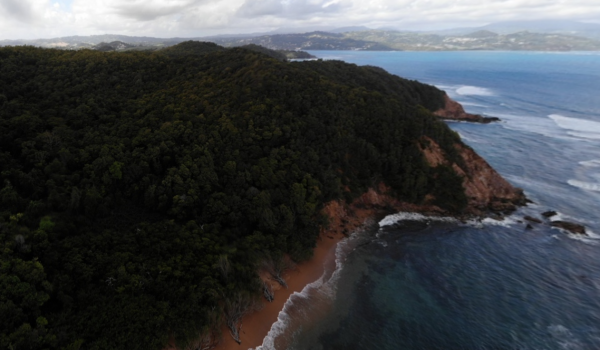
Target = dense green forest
(140,191)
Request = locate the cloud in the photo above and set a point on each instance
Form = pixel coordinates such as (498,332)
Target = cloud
(260,8)
(149,10)
(289,9)
(18,9)
(193,18)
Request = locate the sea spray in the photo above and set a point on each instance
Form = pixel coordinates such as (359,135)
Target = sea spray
(410,216)
(397,218)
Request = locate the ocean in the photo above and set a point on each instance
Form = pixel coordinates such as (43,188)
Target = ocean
(415,282)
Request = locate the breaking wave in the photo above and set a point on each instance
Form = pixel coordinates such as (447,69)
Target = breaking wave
(474,91)
(581,128)
(476,222)
(318,292)
(594,163)
(402,216)
(588,186)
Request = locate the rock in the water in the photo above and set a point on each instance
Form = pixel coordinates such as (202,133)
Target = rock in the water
(549,213)
(569,226)
(532,219)
(529,227)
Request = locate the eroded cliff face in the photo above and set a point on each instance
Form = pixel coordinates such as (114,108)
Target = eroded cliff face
(454,111)
(374,203)
(486,190)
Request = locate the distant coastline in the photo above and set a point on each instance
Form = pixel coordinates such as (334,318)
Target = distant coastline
(361,40)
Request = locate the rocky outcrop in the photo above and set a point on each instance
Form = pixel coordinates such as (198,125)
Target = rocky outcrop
(454,111)
(484,187)
(532,219)
(374,203)
(569,226)
(486,190)
(549,213)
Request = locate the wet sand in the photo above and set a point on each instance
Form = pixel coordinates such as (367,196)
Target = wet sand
(256,325)
(343,219)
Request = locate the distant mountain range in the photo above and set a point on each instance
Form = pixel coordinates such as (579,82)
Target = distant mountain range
(587,30)
(530,35)
(401,41)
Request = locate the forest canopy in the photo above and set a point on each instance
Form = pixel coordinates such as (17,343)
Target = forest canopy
(140,191)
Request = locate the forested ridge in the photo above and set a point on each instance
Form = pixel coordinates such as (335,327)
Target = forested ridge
(140,192)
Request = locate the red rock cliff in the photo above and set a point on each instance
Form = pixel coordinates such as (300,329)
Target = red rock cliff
(454,111)
(486,190)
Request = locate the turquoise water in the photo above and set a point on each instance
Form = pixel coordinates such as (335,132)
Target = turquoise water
(415,283)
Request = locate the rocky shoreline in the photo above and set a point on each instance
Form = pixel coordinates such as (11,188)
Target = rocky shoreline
(453,110)
(488,194)
(568,226)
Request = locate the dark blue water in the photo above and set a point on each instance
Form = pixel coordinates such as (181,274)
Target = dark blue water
(425,284)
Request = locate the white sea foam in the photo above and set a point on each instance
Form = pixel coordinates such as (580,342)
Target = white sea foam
(590,236)
(401,216)
(565,217)
(324,287)
(594,163)
(583,238)
(445,87)
(478,223)
(474,91)
(581,128)
(284,319)
(564,337)
(538,125)
(464,137)
(382,243)
(585,135)
(472,104)
(505,222)
(588,186)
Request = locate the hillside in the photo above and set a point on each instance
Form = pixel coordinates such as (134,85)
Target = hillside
(413,41)
(141,191)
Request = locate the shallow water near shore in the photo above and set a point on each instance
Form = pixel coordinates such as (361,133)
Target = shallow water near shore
(419,283)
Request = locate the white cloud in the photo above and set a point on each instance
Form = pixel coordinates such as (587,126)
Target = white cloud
(167,18)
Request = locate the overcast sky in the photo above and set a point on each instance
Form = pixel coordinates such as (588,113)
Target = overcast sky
(30,19)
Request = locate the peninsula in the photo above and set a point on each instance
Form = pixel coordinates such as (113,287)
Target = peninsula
(146,197)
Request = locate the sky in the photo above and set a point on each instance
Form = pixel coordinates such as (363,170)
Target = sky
(32,19)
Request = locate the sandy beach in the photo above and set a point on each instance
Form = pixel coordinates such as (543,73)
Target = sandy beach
(256,325)
(343,220)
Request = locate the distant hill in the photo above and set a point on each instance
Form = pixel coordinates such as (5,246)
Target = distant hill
(527,35)
(395,40)
(113,46)
(194,48)
(307,41)
(587,30)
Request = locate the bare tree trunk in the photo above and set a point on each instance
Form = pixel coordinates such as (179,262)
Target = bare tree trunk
(236,308)
(234,330)
(279,279)
(277,266)
(268,292)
